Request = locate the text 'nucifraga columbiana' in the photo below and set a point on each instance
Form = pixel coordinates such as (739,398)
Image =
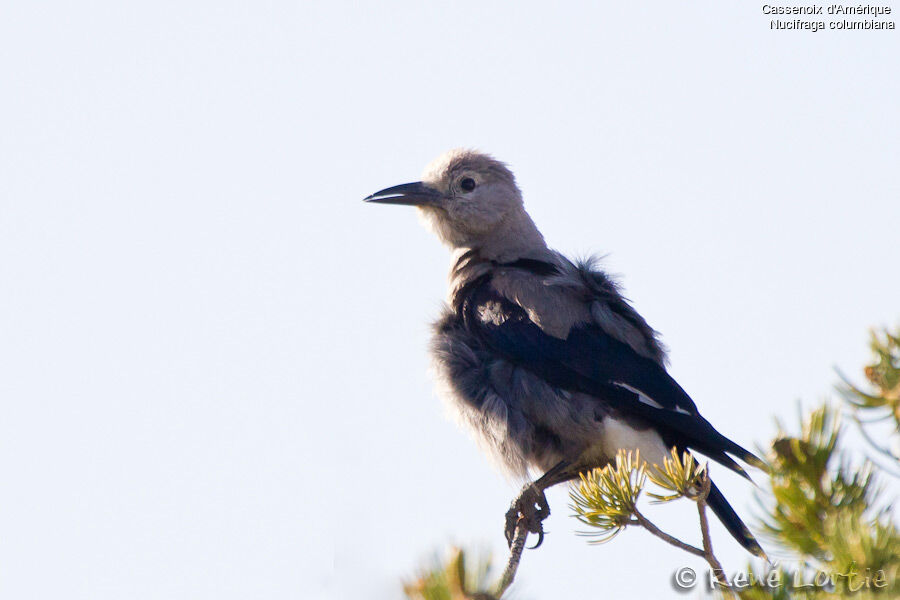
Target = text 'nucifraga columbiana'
(542,356)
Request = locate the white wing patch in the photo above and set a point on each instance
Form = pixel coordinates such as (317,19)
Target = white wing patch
(647,399)
(641,395)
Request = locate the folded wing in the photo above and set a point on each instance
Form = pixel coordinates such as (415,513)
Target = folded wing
(591,361)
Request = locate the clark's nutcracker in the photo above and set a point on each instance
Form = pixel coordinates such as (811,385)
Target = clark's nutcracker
(542,356)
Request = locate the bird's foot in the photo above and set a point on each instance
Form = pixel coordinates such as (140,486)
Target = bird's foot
(529,509)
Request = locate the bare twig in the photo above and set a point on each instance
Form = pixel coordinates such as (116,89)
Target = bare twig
(649,526)
(714,564)
(515,555)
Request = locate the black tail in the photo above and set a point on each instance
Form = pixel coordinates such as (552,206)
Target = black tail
(715,445)
(732,522)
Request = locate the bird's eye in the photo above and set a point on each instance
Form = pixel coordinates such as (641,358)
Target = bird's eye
(468,184)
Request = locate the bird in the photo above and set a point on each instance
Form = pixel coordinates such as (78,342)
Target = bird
(542,356)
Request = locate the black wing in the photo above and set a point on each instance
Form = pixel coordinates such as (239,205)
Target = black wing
(595,363)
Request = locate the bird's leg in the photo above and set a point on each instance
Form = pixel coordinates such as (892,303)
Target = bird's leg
(531,507)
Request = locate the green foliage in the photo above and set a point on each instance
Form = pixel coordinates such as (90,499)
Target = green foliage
(606,498)
(884,376)
(806,494)
(826,505)
(882,403)
(457,578)
(681,475)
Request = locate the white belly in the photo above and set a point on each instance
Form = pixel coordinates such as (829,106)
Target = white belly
(618,435)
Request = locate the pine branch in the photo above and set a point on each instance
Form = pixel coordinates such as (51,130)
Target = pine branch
(642,521)
(606,499)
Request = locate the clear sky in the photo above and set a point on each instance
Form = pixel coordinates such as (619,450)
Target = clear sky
(213,367)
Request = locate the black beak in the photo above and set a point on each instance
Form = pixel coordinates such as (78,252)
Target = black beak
(410,194)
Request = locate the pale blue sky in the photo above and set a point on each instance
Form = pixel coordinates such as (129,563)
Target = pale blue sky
(214,376)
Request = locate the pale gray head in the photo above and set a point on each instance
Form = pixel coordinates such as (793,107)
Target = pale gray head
(470,200)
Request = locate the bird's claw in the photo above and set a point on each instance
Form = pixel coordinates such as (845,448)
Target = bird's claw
(540,538)
(529,509)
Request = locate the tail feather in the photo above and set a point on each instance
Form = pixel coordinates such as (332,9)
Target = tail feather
(704,438)
(723,459)
(732,522)
(720,443)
